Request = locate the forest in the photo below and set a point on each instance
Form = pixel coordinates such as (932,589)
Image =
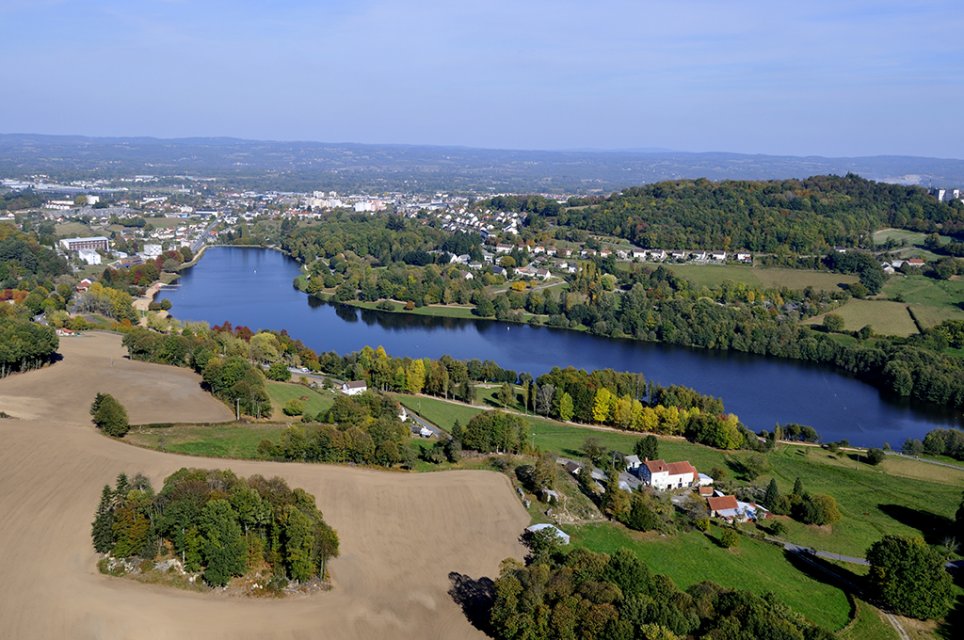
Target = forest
(217,524)
(796,216)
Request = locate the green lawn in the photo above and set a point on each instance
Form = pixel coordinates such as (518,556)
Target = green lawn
(689,558)
(238,441)
(886,317)
(712,275)
(868,625)
(874,501)
(314,401)
(933,301)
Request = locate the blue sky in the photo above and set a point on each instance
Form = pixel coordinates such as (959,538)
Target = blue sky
(844,77)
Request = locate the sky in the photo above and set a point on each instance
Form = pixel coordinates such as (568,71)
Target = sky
(831,78)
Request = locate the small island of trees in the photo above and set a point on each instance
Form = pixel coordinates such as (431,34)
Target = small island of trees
(213,525)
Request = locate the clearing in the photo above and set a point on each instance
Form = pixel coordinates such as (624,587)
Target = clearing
(886,317)
(712,275)
(401,534)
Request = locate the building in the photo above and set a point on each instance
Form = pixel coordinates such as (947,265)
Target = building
(95,243)
(354,388)
(632,462)
(152,251)
(725,507)
(662,475)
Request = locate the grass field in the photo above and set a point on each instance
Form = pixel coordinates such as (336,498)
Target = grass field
(217,441)
(712,275)
(72,230)
(868,625)
(886,317)
(314,401)
(933,301)
(689,558)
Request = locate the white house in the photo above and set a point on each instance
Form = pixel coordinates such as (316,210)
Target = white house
(354,388)
(152,250)
(662,475)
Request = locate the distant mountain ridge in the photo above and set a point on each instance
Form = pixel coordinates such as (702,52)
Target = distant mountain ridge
(301,166)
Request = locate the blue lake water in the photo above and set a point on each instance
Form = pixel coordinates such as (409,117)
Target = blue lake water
(253,287)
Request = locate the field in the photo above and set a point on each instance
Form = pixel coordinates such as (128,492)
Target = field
(401,534)
(886,317)
(712,275)
(281,393)
(238,441)
(900,496)
(932,301)
(72,230)
(689,558)
(912,242)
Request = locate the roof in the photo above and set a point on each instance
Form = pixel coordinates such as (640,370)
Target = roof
(706,491)
(562,535)
(722,502)
(673,468)
(356,384)
(90,239)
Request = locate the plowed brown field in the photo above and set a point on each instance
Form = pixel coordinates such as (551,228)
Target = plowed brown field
(401,533)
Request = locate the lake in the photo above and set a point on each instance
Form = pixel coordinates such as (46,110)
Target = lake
(253,287)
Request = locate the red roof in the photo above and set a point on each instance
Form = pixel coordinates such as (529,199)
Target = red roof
(722,503)
(673,468)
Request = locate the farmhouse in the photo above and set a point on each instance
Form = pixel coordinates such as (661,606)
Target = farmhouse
(722,507)
(354,388)
(662,475)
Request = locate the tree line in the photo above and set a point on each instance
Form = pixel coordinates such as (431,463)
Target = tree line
(217,524)
(591,595)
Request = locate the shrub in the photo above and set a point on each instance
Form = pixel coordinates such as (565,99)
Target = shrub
(729,538)
(294,407)
(875,456)
(109,415)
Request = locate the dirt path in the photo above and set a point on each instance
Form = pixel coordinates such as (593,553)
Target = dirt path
(401,533)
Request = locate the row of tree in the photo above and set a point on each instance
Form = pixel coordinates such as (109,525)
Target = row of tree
(363,430)
(216,524)
(25,345)
(591,596)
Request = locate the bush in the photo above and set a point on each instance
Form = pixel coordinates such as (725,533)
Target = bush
(279,372)
(729,538)
(875,456)
(294,407)
(109,415)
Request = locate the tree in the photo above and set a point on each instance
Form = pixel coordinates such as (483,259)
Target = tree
(772,494)
(797,487)
(109,415)
(298,545)
(102,527)
(833,322)
(565,407)
(909,578)
(647,448)
(875,456)
(729,538)
(593,449)
(223,547)
(415,376)
(279,372)
(601,405)
(506,395)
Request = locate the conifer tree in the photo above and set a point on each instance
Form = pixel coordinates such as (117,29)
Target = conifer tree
(102,527)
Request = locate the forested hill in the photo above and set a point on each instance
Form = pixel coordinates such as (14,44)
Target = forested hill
(803,216)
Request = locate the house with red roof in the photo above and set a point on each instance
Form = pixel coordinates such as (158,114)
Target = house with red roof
(662,475)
